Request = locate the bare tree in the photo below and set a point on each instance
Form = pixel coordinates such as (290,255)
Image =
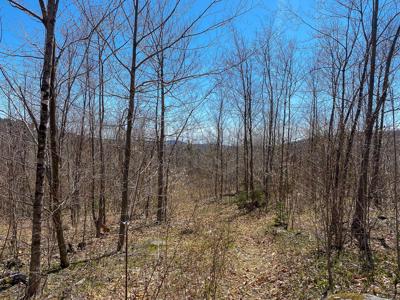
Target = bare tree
(48,19)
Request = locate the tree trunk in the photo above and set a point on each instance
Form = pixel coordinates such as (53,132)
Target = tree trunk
(34,267)
(374,193)
(359,223)
(76,205)
(250,129)
(55,176)
(125,176)
(101,217)
(161,197)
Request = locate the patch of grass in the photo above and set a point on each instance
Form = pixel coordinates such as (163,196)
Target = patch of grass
(152,248)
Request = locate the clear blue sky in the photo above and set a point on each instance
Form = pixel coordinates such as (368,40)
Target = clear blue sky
(16,26)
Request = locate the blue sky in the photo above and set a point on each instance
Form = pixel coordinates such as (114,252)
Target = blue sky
(15,24)
(17,27)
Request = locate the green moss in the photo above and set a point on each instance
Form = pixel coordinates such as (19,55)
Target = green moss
(152,248)
(230,245)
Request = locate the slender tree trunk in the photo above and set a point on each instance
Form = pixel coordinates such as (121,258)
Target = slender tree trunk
(218,159)
(125,176)
(281,196)
(250,129)
(161,197)
(237,164)
(221,160)
(246,150)
(337,203)
(55,176)
(101,217)
(34,267)
(12,209)
(374,193)
(359,223)
(269,154)
(395,194)
(76,205)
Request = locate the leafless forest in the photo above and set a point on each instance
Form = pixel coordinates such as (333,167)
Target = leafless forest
(199,149)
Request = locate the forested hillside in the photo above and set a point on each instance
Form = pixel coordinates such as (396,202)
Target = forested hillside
(199,149)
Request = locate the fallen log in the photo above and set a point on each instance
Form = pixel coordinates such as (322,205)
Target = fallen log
(230,194)
(10,280)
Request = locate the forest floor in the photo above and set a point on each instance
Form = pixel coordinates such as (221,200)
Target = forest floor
(209,250)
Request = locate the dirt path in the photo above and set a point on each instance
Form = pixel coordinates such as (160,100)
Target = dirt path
(264,262)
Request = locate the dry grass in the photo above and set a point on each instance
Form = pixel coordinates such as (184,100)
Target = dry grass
(210,251)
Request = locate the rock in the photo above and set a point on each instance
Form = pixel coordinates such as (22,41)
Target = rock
(278,231)
(372,297)
(354,296)
(80,281)
(157,242)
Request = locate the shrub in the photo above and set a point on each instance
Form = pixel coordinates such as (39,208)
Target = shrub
(249,204)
